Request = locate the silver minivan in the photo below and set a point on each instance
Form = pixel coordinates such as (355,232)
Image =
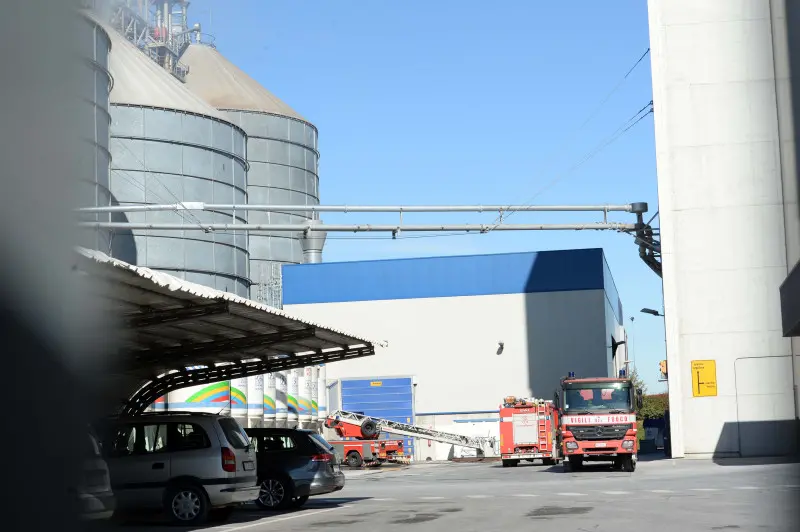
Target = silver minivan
(194,466)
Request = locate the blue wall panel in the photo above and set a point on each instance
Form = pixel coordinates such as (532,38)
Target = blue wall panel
(390,399)
(473,275)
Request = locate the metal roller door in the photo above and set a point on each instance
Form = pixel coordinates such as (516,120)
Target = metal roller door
(387,398)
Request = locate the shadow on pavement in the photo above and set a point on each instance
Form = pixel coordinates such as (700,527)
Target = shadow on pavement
(154,521)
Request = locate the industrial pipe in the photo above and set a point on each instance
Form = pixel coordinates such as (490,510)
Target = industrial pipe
(306,228)
(200,206)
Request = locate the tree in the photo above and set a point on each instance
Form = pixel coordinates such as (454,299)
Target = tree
(654,406)
(637,381)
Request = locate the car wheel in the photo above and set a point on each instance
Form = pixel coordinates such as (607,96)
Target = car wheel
(354,459)
(275,493)
(186,504)
(300,501)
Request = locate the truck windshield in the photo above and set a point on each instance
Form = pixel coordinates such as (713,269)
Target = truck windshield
(593,398)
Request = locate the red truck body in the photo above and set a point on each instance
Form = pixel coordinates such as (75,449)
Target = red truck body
(598,422)
(359,449)
(528,431)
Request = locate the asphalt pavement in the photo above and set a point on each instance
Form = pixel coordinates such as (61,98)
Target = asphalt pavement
(661,495)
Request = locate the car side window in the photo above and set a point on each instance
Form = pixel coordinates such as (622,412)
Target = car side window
(136,439)
(275,443)
(187,437)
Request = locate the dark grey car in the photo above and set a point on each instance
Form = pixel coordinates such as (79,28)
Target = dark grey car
(293,465)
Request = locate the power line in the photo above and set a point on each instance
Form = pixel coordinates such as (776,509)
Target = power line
(591,116)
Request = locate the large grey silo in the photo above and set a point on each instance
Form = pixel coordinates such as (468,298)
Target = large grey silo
(94,182)
(169,146)
(283,157)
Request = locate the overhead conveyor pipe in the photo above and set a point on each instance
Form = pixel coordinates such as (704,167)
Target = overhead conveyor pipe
(367,228)
(199,206)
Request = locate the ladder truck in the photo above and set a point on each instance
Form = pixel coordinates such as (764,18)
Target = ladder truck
(528,431)
(362,427)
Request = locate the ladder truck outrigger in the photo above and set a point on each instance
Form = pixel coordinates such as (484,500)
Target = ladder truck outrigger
(598,421)
(363,427)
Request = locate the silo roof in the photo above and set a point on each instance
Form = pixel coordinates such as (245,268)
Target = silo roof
(138,80)
(225,86)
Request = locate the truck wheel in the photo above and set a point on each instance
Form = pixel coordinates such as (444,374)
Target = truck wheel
(548,462)
(628,464)
(354,459)
(510,463)
(567,466)
(369,429)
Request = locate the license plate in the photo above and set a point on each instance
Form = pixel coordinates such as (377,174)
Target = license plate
(248,466)
(599,444)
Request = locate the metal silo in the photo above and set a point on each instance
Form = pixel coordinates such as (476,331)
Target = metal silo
(314,397)
(322,395)
(304,398)
(169,146)
(283,157)
(94,185)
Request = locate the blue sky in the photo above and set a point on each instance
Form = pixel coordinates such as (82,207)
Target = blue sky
(465,102)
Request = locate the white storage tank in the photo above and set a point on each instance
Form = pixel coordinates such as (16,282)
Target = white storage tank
(314,397)
(239,398)
(291,397)
(304,397)
(281,399)
(255,400)
(322,394)
(270,389)
(214,398)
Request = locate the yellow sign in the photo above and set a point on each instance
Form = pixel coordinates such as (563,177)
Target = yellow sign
(376,383)
(704,378)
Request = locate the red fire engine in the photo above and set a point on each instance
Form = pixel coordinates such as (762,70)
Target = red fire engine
(528,431)
(364,445)
(598,421)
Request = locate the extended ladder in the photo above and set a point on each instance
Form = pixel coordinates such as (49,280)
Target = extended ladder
(405,429)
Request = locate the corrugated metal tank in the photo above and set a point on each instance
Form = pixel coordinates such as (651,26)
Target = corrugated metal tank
(281,150)
(169,146)
(94,185)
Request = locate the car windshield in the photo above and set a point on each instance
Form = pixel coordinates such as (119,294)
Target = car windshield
(234,433)
(613,396)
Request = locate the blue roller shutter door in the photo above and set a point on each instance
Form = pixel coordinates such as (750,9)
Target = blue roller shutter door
(391,399)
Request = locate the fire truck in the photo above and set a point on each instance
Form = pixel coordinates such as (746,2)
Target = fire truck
(598,421)
(361,445)
(528,431)
(365,428)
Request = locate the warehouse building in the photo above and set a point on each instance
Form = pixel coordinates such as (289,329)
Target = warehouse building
(463,332)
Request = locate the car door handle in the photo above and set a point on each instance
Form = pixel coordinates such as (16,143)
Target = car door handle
(158,465)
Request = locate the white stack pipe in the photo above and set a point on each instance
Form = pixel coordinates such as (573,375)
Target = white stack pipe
(281,399)
(270,389)
(304,397)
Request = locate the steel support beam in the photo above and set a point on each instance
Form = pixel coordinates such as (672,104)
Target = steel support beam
(181,379)
(175,316)
(200,206)
(300,228)
(207,352)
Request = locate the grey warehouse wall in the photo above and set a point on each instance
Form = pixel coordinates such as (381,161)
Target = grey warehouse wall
(168,156)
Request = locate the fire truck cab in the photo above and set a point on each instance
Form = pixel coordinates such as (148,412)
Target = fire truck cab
(598,421)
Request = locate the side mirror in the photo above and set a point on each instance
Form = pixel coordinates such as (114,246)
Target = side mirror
(639,399)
